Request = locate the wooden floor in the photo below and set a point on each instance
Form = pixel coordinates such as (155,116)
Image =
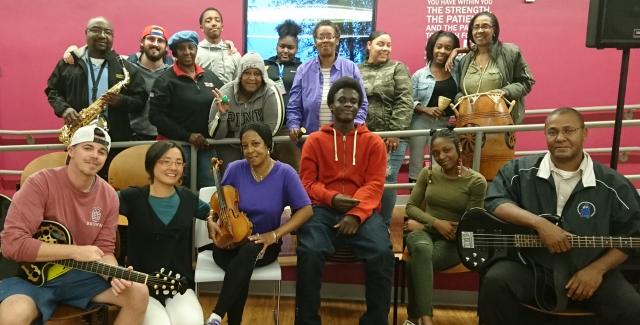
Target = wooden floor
(259,309)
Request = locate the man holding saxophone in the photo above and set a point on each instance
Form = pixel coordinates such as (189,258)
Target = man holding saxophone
(85,84)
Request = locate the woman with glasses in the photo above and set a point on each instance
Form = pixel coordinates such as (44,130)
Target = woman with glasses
(265,186)
(440,197)
(308,97)
(493,66)
(388,88)
(252,97)
(159,233)
(429,84)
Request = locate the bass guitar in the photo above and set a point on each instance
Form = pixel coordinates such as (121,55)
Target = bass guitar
(482,238)
(53,232)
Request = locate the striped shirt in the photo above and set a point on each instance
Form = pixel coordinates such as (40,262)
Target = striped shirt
(325,112)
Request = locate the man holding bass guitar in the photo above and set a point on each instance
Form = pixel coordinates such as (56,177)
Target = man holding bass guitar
(87,206)
(592,200)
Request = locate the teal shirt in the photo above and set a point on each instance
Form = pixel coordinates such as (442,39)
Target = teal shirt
(166,207)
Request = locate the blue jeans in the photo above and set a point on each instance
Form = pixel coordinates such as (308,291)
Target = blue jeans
(317,240)
(394,162)
(205,177)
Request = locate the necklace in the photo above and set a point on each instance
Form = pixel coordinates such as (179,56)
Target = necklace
(259,178)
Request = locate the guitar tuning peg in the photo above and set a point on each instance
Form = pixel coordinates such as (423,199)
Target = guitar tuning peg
(169,274)
(162,270)
(165,292)
(178,275)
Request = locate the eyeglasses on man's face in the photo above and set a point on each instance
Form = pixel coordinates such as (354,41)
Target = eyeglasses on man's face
(565,131)
(99,30)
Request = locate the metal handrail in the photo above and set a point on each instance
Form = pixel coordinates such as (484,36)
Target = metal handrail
(479,131)
(527,112)
(586,109)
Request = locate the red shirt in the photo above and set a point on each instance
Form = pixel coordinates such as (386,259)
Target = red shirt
(91,218)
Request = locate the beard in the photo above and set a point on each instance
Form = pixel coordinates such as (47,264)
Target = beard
(154,54)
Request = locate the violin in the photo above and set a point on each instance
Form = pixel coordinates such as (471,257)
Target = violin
(235,226)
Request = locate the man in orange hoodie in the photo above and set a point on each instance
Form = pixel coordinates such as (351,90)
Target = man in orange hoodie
(343,168)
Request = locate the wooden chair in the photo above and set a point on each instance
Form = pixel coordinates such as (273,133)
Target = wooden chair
(50,160)
(127,168)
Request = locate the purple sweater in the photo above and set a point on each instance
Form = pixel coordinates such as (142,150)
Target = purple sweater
(264,201)
(305,95)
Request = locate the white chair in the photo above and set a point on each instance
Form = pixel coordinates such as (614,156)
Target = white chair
(208,271)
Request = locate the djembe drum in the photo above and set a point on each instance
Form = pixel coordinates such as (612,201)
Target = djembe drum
(486,109)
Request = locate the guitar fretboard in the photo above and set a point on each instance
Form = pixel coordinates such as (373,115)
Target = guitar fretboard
(106,270)
(532,241)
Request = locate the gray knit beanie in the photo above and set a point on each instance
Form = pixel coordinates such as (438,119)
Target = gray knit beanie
(252,60)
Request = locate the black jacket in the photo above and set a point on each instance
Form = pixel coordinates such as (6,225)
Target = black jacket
(67,87)
(179,105)
(288,73)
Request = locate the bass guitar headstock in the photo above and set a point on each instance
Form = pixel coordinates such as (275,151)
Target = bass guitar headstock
(165,284)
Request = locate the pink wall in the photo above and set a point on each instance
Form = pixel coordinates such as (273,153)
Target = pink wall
(551,35)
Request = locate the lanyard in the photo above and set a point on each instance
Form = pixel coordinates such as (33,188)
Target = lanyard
(280,70)
(95,81)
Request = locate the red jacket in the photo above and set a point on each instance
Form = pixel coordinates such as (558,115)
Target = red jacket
(333,164)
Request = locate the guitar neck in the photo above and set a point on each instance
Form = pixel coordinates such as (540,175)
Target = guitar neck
(522,240)
(106,270)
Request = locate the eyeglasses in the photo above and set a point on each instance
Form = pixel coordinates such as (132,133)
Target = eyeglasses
(99,30)
(567,132)
(325,37)
(168,163)
(483,27)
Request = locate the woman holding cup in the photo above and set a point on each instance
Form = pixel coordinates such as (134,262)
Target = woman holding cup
(433,90)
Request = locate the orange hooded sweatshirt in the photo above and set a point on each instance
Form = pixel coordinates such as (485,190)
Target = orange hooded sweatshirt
(354,164)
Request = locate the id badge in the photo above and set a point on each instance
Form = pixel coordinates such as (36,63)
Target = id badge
(280,86)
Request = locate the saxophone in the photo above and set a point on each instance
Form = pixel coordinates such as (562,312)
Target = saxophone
(92,112)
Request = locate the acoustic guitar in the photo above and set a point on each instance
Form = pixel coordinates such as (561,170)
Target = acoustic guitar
(52,232)
(482,238)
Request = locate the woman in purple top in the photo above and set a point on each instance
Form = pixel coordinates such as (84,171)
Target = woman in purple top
(265,187)
(307,105)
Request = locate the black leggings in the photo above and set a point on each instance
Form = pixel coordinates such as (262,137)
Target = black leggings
(238,264)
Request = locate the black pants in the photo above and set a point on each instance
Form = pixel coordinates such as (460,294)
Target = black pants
(507,283)
(238,265)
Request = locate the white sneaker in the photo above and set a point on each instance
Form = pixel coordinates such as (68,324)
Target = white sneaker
(214,319)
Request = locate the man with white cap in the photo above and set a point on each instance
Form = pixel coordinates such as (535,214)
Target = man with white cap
(74,196)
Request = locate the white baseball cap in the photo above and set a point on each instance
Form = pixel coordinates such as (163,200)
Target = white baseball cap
(88,134)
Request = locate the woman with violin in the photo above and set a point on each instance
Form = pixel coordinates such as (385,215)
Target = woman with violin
(263,188)
(160,232)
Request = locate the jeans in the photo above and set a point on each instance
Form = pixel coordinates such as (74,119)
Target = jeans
(417,144)
(394,161)
(317,240)
(205,177)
